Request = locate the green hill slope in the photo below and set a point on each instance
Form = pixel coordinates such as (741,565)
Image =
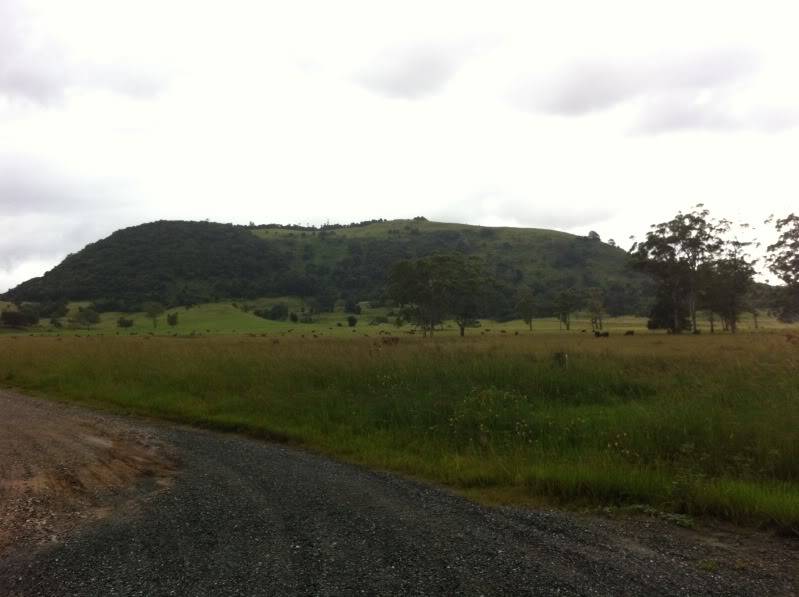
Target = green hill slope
(191,262)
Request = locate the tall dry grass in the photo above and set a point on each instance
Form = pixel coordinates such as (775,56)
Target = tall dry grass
(702,425)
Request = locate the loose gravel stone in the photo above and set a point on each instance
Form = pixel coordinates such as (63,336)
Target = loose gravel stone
(244,517)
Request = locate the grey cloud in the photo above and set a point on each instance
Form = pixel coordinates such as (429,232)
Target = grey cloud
(581,89)
(415,71)
(32,186)
(665,91)
(680,112)
(35,68)
(46,213)
(31,241)
(29,238)
(598,85)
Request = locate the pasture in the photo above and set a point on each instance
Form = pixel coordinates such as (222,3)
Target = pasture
(237,317)
(700,425)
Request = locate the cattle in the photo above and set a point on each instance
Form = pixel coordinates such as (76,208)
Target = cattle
(629,333)
(599,334)
(390,340)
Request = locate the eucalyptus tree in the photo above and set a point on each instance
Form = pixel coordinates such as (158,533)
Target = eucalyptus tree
(153,310)
(566,302)
(432,288)
(731,283)
(674,252)
(595,303)
(525,307)
(783,261)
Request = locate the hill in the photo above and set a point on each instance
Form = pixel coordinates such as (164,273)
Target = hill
(179,263)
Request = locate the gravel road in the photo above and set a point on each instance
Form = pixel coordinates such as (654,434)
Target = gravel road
(236,516)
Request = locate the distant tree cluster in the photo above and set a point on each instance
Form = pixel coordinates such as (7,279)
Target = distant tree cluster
(701,264)
(277,312)
(783,261)
(19,318)
(433,288)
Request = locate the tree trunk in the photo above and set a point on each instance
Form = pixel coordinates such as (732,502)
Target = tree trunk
(530,323)
(463,329)
(712,323)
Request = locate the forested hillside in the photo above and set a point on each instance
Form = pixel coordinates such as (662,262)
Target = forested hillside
(179,263)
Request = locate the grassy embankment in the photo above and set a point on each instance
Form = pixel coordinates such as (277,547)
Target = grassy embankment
(700,425)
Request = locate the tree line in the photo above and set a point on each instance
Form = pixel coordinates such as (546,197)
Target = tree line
(698,263)
(701,263)
(690,264)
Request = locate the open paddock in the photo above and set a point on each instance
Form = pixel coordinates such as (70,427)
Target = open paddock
(700,425)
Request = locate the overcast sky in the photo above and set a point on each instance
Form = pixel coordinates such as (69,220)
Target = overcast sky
(579,116)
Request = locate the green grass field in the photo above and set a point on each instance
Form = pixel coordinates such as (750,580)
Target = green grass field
(230,318)
(701,425)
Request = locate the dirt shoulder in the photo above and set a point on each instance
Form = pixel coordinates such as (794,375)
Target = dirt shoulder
(62,466)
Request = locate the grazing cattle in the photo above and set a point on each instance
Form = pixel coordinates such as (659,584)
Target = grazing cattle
(602,334)
(629,333)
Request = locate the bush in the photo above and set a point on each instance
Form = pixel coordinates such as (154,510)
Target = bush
(87,317)
(53,309)
(105,305)
(172,319)
(124,323)
(352,321)
(278,312)
(293,317)
(378,320)
(18,319)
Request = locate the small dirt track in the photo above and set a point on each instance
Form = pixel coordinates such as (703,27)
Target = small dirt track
(243,517)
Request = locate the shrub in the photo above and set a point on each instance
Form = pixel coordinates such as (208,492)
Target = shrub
(17,319)
(352,321)
(122,322)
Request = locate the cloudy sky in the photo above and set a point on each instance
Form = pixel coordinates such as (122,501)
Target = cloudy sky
(579,116)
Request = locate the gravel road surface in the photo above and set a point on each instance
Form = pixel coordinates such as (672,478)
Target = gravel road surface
(214,514)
